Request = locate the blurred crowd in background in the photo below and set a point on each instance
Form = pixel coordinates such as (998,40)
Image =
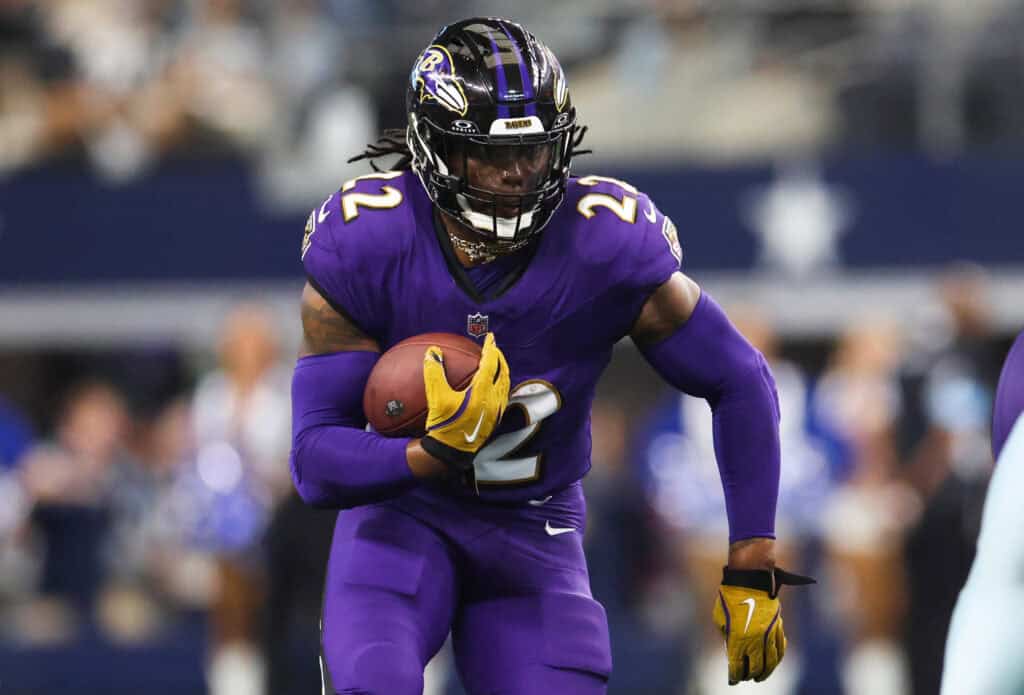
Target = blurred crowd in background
(295,84)
(150,540)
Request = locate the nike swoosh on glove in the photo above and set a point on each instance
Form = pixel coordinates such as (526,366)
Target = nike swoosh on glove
(748,612)
(460,422)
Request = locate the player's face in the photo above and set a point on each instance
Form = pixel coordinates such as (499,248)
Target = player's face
(511,170)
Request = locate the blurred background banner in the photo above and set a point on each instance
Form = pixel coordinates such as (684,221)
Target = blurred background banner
(878,212)
(845,177)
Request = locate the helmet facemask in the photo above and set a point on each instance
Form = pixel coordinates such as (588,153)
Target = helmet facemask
(502,188)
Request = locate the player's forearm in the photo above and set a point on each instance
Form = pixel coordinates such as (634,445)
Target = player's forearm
(707,357)
(746,438)
(340,467)
(334,461)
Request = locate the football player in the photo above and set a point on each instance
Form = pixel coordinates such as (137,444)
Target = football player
(982,653)
(476,528)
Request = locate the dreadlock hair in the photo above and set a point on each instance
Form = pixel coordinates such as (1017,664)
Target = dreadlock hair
(392,141)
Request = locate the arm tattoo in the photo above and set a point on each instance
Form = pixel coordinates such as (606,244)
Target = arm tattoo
(324,330)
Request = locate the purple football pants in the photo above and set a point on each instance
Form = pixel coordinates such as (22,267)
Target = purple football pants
(510,583)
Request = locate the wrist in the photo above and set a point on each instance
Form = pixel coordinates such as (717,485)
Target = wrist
(752,554)
(456,465)
(422,464)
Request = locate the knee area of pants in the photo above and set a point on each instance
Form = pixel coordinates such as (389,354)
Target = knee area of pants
(382,668)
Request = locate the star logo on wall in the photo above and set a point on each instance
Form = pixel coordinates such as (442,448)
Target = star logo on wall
(799,219)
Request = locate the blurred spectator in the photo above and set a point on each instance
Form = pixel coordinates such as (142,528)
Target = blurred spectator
(15,438)
(36,92)
(739,96)
(949,386)
(631,564)
(15,434)
(241,417)
(858,396)
(220,68)
(245,401)
(152,567)
(324,117)
(119,52)
(69,483)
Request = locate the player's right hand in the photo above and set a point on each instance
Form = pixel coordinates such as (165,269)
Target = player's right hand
(459,422)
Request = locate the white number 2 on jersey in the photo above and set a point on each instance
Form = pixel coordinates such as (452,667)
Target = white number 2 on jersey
(387,198)
(538,399)
(624,208)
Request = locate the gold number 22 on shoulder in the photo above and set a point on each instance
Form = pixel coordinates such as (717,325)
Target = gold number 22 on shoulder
(387,198)
(625,207)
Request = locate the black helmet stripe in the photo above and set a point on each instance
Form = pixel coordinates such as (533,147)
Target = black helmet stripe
(502,79)
(502,74)
(525,83)
(515,94)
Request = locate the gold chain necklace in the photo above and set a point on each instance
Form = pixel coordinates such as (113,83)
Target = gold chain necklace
(478,251)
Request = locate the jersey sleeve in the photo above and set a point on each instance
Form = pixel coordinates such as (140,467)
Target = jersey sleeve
(656,252)
(650,255)
(345,263)
(625,246)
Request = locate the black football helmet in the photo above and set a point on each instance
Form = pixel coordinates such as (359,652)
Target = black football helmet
(487,88)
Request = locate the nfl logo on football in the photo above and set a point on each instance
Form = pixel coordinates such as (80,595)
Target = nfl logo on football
(476,325)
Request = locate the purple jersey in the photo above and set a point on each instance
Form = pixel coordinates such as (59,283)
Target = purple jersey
(372,250)
(1009,396)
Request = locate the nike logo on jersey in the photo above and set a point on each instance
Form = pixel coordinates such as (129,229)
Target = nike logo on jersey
(557,530)
(470,438)
(538,503)
(750,612)
(650,214)
(324,212)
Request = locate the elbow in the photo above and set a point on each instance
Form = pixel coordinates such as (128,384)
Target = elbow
(315,493)
(314,496)
(313,489)
(749,379)
(321,496)
(310,493)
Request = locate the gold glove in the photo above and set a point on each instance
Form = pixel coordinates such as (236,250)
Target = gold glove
(463,420)
(748,612)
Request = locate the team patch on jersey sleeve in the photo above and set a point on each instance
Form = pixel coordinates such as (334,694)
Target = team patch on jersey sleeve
(668,230)
(315,217)
(306,237)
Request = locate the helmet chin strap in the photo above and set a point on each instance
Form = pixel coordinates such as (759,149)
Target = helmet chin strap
(486,250)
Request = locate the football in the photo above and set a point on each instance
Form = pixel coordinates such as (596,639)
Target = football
(395,400)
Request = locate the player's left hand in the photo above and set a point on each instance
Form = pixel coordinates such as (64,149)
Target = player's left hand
(460,422)
(748,612)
